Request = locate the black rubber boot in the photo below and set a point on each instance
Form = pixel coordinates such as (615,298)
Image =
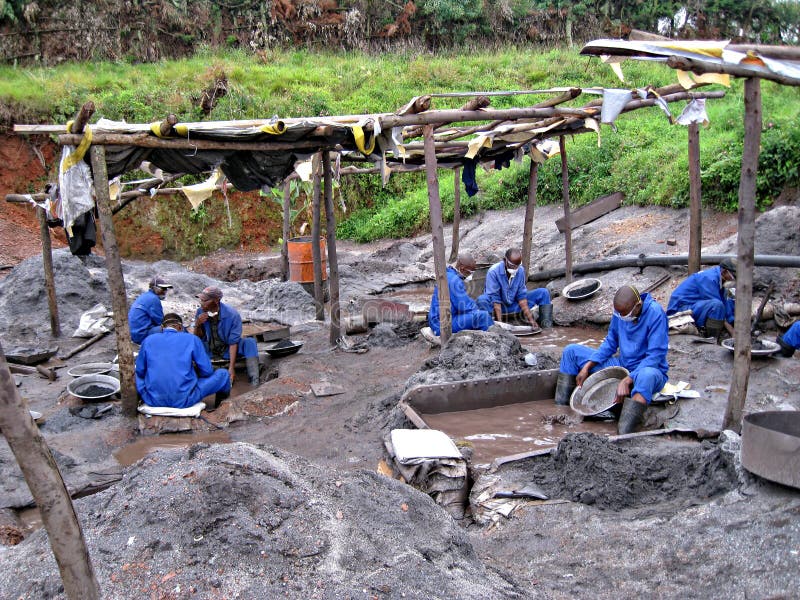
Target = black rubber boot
(631,416)
(545,316)
(786,350)
(565,385)
(253,369)
(714,328)
(218,398)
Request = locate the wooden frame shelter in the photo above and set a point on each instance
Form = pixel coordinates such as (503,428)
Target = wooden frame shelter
(718,61)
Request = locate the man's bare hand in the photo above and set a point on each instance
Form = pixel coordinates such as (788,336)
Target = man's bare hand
(624,389)
(582,375)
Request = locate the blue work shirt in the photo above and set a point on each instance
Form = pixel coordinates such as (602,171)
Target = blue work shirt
(229,328)
(641,343)
(460,302)
(500,290)
(168,367)
(144,314)
(705,285)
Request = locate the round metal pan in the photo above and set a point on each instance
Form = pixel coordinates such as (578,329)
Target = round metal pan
(769,348)
(771,445)
(94,387)
(582,289)
(598,392)
(98,368)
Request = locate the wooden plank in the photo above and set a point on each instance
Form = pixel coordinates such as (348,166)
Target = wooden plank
(695,207)
(562,146)
(333,259)
(527,230)
(594,210)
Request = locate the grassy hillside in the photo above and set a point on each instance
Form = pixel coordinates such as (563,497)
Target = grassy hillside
(645,157)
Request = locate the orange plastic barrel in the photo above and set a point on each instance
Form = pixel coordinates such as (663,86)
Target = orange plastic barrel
(301,262)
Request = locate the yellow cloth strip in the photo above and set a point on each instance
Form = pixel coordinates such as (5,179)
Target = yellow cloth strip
(358,135)
(77,156)
(276,128)
(155,129)
(181,129)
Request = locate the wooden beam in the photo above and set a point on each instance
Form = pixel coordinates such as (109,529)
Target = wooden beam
(702,66)
(287,208)
(567,221)
(456,214)
(594,210)
(82,118)
(459,116)
(49,277)
(333,261)
(116,282)
(437,233)
(745,255)
(527,230)
(695,206)
(48,490)
(145,140)
(316,252)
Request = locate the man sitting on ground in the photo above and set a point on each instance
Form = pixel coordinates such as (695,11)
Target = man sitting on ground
(790,341)
(464,312)
(706,294)
(220,328)
(173,369)
(640,332)
(506,292)
(146,313)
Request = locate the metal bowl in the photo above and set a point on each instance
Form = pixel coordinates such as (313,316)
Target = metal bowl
(93,387)
(582,289)
(598,392)
(771,445)
(768,348)
(98,368)
(284,350)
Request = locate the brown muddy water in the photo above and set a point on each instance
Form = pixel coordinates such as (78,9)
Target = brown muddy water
(127,455)
(514,428)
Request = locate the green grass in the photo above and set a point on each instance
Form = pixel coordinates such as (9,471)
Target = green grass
(646,157)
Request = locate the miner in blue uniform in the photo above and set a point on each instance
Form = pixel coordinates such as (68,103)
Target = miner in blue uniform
(146,314)
(506,292)
(640,332)
(707,295)
(790,341)
(220,328)
(464,312)
(173,369)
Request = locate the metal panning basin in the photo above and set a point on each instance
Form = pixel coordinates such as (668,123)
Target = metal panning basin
(771,445)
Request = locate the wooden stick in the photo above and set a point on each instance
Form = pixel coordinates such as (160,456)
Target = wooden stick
(701,66)
(527,231)
(287,208)
(36,370)
(437,232)
(48,490)
(565,196)
(146,140)
(745,255)
(165,128)
(82,118)
(316,253)
(116,282)
(49,277)
(333,261)
(84,345)
(695,207)
(456,214)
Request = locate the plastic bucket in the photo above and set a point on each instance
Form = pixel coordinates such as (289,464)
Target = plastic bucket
(301,262)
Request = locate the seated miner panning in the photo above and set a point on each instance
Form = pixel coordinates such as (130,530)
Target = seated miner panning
(640,332)
(219,326)
(173,369)
(708,294)
(789,341)
(465,314)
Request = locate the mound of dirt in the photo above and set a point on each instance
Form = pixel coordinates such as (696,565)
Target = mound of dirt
(252,522)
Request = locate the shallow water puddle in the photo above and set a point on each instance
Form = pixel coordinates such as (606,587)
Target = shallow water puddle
(127,455)
(514,428)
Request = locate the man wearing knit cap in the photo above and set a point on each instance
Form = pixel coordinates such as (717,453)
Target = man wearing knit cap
(146,313)
(219,326)
(708,294)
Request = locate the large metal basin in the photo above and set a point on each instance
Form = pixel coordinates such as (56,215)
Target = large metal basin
(771,445)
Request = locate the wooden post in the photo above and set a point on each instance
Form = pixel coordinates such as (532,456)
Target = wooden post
(48,490)
(565,195)
(744,255)
(527,232)
(116,282)
(333,261)
(287,207)
(695,209)
(49,277)
(456,214)
(437,231)
(316,254)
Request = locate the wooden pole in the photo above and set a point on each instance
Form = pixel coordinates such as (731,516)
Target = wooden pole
(116,282)
(48,490)
(333,261)
(437,231)
(565,195)
(456,214)
(695,208)
(316,254)
(49,277)
(745,254)
(287,207)
(527,232)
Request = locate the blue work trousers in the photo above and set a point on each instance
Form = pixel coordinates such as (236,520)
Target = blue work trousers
(535,297)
